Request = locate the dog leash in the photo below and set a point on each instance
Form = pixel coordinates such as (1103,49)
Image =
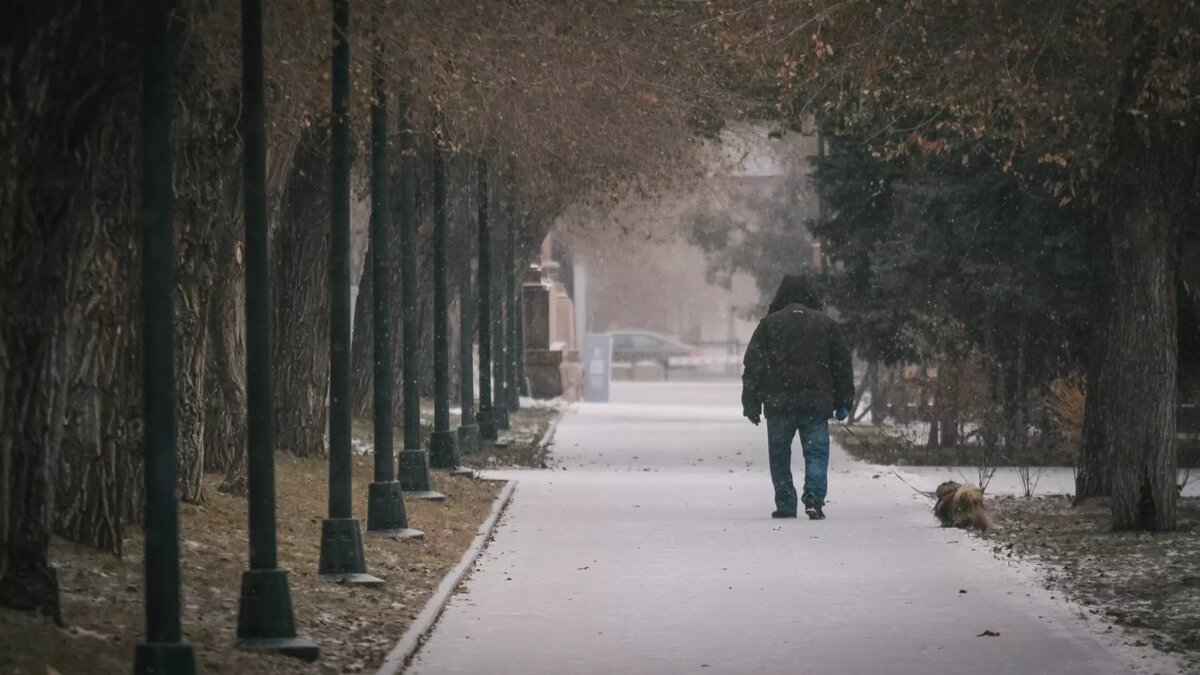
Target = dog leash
(929,495)
(861,444)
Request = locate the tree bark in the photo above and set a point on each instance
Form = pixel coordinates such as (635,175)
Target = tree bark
(1138,379)
(1151,189)
(1093,471)
(65,229)
(362,352)
(191,363)
(98,479)
(867,383)
(931,402)
(225,420)
(1018,434)
(208,229)
(879,403)
(300,326)
(949,376)
(425,263)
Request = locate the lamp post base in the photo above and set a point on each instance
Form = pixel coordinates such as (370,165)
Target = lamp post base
(468,439)
(161,658)
(399,535)
(385,507)
(342,553)
(427,495)
(487,424)
(265,619)
(413,471)
(298,648)
(443,450)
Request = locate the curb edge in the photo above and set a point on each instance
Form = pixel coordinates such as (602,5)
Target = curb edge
(399,658)
(547,438)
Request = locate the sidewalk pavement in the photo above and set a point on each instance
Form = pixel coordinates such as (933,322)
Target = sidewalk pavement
(651,551)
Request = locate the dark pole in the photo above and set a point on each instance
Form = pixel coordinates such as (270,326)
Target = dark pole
(487,425)
(265,617)
(442,449)
(468,430)
(414,461)
(385,498)
(499,336)
(341,540)
(521,333)
(163,649)
(513,298)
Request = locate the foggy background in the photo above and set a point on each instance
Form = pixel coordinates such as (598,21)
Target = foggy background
(638,264)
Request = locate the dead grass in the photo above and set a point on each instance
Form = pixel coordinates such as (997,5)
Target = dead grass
(355,627)
(876,446)
(1146,582)
(521,445)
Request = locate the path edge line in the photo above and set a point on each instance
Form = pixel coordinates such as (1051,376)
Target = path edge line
(547,437)
(418,631)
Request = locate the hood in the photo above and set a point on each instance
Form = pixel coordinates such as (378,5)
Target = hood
(796,289)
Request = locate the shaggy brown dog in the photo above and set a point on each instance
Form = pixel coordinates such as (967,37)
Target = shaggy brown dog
(943,509)
(961,505)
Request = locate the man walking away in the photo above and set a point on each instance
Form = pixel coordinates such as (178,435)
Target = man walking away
(797,371)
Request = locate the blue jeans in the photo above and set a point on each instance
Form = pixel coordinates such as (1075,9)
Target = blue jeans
(814,438)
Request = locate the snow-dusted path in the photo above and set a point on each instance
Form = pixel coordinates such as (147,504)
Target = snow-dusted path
(653,552)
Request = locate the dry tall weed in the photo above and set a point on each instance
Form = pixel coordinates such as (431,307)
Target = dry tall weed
(1066,405)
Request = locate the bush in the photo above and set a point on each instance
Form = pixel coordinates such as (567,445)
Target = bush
(1065,404)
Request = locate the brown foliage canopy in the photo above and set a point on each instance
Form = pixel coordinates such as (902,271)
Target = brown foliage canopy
(582,94)
(1027,82)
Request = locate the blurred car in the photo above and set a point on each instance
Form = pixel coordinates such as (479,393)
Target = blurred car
(632,347)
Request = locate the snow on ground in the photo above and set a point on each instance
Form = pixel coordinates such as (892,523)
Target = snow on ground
(1055,480)
(651,551)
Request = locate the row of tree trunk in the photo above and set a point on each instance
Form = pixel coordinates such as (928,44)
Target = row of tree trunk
(70,371)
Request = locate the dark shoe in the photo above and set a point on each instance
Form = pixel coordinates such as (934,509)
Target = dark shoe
(811,508)
(780,513)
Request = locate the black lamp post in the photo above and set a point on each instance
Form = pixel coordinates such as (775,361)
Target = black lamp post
(265,618)
(513,298)
(443,451)
(414,461)
(163,649)
(385,498)
(468,430)
(487,425)
(499,337)
(341,539)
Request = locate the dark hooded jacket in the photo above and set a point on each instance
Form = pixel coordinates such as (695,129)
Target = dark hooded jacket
(797,361)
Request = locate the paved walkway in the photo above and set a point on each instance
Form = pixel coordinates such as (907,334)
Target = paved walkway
(652,551)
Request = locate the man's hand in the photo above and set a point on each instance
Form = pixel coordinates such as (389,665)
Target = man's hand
(841,413)
(754,417)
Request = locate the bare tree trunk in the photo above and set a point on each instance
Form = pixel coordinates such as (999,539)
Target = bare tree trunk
(32,356)
(191,354)
(55,105)
(98,480)
(425,263)
(1093,472)
(934,413)
(362,351)
(883,397)
(1138,379)
(225,422)
(949,375)
(1018,443)
(868,384)
(301,325)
